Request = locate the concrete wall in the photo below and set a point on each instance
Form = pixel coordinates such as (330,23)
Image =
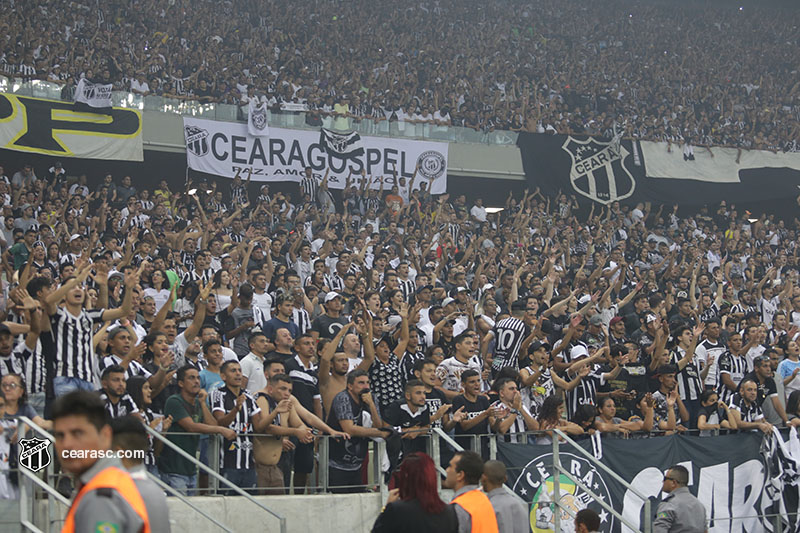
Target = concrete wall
(353,513)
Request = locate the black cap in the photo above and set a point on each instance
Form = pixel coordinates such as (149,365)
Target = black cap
(535,345)
(519,305)
(420,289)
(4,329)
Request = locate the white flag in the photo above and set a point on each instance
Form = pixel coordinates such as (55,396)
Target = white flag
(97,95)
(257,119)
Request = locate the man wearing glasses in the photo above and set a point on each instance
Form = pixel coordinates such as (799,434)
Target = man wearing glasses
(680,511)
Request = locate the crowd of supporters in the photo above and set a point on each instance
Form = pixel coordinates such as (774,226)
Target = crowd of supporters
(270,318)
(705,73)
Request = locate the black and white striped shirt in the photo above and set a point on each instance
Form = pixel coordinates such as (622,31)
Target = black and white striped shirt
(36,371)
(73,343)
(517,427)
(335,282)
(309,186)
(187,258)
(586,391)
(134,367)
(736,367)
(124,406)
(192,276)
(238,195)
(689,385)
(508,336)
(750,413)
(301,319)
(408,288)
(16,361)
(239,453)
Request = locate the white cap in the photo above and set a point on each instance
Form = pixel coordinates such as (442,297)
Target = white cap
(447,301)
(331,295)
(577,352)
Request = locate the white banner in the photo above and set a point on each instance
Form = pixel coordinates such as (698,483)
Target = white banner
(93,94)
(721,165)
(226,149)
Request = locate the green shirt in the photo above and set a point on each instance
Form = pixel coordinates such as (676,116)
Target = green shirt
(20,252)
(169,461)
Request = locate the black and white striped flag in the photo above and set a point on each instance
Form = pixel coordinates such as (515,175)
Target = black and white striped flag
(342,145)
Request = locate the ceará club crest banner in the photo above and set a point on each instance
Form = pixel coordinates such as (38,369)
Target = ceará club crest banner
(227,149)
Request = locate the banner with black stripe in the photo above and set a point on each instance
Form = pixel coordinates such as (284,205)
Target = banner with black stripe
(610,170)
(732,475)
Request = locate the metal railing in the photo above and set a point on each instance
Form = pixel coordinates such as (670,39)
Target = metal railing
(319,480)
(559,471)
(166,442)
(27,496)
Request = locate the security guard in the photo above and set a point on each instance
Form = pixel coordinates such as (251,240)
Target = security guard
(107,500)
(473,507)
(129,434)
(680,511)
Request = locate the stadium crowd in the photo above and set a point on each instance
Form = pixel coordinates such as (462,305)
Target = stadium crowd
(269,318)
(708,74)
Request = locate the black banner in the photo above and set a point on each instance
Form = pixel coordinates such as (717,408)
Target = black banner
(728,474)
(609,170)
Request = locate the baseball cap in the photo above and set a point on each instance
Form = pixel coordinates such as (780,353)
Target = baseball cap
(462,289)
(651,318)
(331,296)
(535,345)
(447,301)
(519,305)
(584,299)
(487,287)
(596,320)
(577,352)
(424,287)
(74,236)
(4,329)
(615,320)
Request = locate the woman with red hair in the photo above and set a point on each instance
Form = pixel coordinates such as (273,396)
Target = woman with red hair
(414,504)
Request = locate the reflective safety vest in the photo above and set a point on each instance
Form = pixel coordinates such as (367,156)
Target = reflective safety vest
(480,510)
(110,478)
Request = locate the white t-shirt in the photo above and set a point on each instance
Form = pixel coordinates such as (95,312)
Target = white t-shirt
(264,304)
(253,370)
(478,212)
(142,87)
(160,296)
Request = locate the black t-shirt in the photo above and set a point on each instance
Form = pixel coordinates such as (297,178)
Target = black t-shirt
(328,327)
(632,377)
(471,410)
(305,382)
(398,414)
(285,357)
(435,399)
